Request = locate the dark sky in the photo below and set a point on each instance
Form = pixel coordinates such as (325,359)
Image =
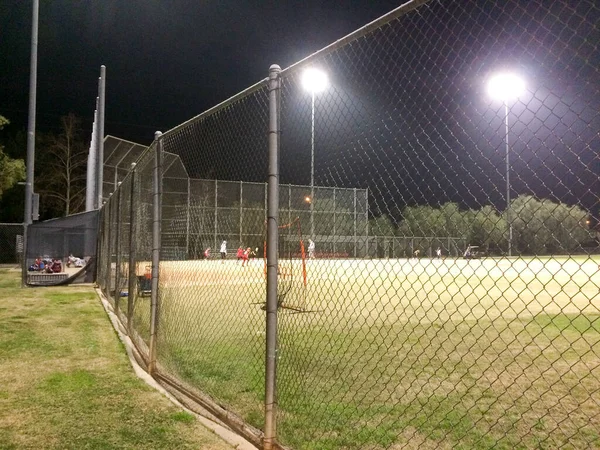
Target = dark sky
(406,116)
(166,61)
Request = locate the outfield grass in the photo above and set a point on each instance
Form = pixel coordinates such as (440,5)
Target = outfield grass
(399,353)
(66,382)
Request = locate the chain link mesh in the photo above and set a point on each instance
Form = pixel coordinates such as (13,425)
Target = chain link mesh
(211,325)
(471,348)
(439,272)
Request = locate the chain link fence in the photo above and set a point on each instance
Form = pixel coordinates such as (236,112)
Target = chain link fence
(438,265)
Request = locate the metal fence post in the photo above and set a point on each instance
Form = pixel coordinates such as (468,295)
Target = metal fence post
(216,230)
(28,212)
(117,290)
(367,215)
(289,210)
(355,242)
(131,288)
(187,223)
(272,260)
(100,134)
(156,228)
(334,219)
(108,235)
(241,209)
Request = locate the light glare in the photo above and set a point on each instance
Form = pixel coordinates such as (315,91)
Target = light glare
(506,86)
(314,80)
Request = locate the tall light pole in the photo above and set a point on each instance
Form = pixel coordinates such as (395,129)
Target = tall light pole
(28,214)
(314,81)
(506,87)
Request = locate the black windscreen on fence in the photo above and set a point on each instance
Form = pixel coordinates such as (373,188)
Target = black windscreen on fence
(69,240)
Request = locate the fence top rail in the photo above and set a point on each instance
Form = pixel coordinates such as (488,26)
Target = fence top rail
(282,185)
(410,5)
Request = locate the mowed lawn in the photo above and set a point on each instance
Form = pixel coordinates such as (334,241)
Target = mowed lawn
(66,381)
(497,353)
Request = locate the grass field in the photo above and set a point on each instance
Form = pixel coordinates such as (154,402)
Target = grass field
(492,353)
(66,381)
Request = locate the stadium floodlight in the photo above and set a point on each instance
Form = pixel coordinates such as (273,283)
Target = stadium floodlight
(307,199)
(314,81)
(506,87)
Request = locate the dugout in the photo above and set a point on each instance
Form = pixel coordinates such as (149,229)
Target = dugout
(57,239)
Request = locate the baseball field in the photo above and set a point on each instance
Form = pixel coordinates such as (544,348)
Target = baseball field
(437,353)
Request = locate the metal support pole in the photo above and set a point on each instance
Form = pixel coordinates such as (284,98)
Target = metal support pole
(355,214)
(117,291)
(100,134)
(334,220)
(131,288)
(289,210)
(216,212)
(108,267)
(367,215)
(99,248)
(289,203)
(90,183)
(508,218)
(187,223)
(28,213)
(272,261)
(241,213)
(312,168)
(156,229)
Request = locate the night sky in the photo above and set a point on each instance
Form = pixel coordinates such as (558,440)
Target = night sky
(406,116)
(166,61)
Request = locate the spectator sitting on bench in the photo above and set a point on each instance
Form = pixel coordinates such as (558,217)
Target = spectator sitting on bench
(36,265)
(55,267)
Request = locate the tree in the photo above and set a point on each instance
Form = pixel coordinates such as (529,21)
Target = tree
(486,228)
(427,221)
(381,226)
(547,227)
(11,170)
(62,182)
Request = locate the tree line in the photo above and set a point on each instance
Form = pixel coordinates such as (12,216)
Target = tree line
(539,226)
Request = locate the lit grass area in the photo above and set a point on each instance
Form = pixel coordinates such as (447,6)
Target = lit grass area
(66,382)
(493,353)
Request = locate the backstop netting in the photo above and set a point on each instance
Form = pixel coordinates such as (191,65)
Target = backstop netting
(200,214)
